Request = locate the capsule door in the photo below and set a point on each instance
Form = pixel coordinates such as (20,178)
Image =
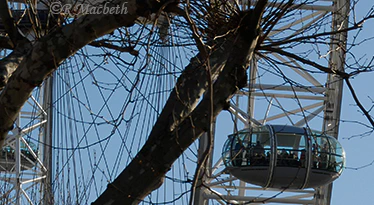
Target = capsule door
(291,158)
(259,156)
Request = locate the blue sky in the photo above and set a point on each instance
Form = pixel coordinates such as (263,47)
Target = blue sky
(353,187)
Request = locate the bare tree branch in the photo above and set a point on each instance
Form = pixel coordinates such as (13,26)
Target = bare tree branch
(199,42)
(49,52)
(306,61)
(357,101)
(128,49)
(269,25)
(159,152)
(357,25)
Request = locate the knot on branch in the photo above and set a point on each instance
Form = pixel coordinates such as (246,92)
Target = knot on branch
(226,105)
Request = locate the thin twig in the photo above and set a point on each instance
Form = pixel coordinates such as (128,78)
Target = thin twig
(306,61)
(366,113)
(128,49)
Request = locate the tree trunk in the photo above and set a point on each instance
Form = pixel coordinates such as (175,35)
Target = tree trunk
(147,170)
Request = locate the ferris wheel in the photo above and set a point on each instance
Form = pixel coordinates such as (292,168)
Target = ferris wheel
(264,160)
(297,105)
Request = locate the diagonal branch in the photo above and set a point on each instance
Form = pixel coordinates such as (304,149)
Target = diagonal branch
(199,42)
(315,36)
(271,23)
(147,169)
(280,51)
(50,51)
(128,49)
(355,98)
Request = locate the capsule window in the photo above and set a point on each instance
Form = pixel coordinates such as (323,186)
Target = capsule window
(327,153)
(258,151)
(291,150)
(337,156)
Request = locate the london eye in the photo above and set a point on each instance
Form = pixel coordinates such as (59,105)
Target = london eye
(87,121)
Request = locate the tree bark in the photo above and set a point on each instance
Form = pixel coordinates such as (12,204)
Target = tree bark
(6,43)
(146,171)
(8,65)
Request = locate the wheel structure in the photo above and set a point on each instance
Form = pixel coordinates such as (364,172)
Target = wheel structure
(25,168)
(90,122)
(284,91)
(103,107)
